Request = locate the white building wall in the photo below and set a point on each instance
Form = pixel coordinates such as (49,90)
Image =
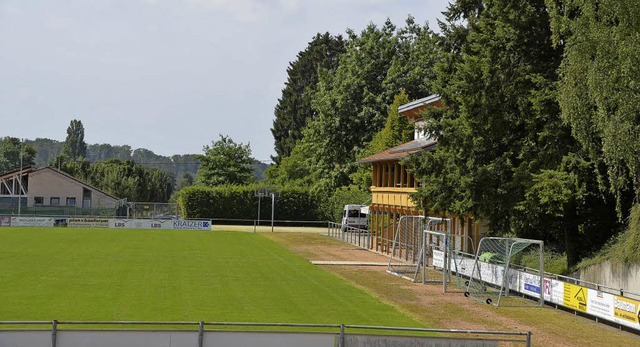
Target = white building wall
(48,183)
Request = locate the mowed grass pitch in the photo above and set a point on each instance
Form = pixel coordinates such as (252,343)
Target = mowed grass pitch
(167,275)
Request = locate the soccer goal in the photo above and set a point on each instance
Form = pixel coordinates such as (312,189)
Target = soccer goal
(445,261)
(421,248)
(406,247)
(493,273)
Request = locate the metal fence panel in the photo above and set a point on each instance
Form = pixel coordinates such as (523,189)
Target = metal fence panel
(412,341)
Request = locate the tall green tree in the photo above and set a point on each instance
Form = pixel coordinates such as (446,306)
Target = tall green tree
(126,179)
(412,68)
(105,151)
(600,85)
(46,150)
(74,146)
(501,124)
(397,130)
(294,107)
(226,162)
(351,103)
(11,149)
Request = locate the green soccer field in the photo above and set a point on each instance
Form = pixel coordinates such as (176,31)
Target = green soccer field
(171,275)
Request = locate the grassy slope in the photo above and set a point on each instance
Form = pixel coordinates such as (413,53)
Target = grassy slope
(624,248)
(101,274)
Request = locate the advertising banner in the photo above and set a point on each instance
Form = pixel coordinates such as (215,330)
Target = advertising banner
(191,224)
(438,259)
(88,223)
(600,304)
(60,222)
(575,297)
(530,284)
(140,224)
(626,311)
(554,291)
(31,221)
(5,221)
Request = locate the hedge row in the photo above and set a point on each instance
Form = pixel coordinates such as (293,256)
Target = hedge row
(240,202)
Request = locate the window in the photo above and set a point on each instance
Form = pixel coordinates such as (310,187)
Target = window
(54,201)
(71,201)
(38,200)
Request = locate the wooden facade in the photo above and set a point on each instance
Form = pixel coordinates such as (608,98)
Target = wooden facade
(392,186)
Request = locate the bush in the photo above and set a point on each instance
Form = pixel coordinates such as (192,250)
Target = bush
(240,202)
(553,262)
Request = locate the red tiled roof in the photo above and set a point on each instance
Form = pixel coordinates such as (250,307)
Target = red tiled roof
(402,151)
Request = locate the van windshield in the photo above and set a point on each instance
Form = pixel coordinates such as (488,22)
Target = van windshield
(355,213)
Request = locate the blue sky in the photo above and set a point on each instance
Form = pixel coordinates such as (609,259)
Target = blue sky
(166,75)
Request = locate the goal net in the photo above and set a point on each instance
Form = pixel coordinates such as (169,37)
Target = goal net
(406,247)
(419,249)
(494,273)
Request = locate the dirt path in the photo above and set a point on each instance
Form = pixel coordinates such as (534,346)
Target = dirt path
(435,309)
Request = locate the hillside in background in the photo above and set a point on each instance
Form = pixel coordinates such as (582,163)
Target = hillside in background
(178,164)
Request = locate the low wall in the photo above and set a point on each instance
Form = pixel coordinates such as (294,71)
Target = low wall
(614,275)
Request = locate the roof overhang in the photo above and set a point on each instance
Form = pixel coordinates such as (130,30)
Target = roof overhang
(402,151)
(415,108)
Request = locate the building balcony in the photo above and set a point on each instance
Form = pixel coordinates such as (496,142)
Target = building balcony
(392,196)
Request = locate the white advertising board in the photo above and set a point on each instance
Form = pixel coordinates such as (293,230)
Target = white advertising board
(140,224)
(438,259)
(165,224)
(614,308)
(5,221)
(88,222)
(530,284)
(600,304)
(191,224)
(554,291)
(32,221)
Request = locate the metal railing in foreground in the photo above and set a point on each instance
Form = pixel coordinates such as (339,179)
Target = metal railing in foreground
(201,334)
(354,236)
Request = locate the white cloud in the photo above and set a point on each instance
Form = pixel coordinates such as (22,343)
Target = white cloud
(55,22)
(290,5)
(244,10)
(8,9)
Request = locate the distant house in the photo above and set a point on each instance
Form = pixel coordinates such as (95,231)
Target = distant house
(48,187)
(392,184)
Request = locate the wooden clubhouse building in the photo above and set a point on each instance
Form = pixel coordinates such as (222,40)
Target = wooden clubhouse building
(392,183)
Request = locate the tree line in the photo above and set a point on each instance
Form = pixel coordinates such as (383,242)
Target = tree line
(539,136)
(136,175)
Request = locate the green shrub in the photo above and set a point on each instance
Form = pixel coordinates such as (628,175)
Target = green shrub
(240,202)
(553,262)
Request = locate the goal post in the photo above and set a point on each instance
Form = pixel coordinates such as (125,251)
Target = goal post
(406,247)
(493,274)
(423,251)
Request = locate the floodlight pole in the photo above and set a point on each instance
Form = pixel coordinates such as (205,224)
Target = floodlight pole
(20,180)
(258,221)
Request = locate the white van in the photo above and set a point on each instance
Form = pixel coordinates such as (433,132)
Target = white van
(355,216)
